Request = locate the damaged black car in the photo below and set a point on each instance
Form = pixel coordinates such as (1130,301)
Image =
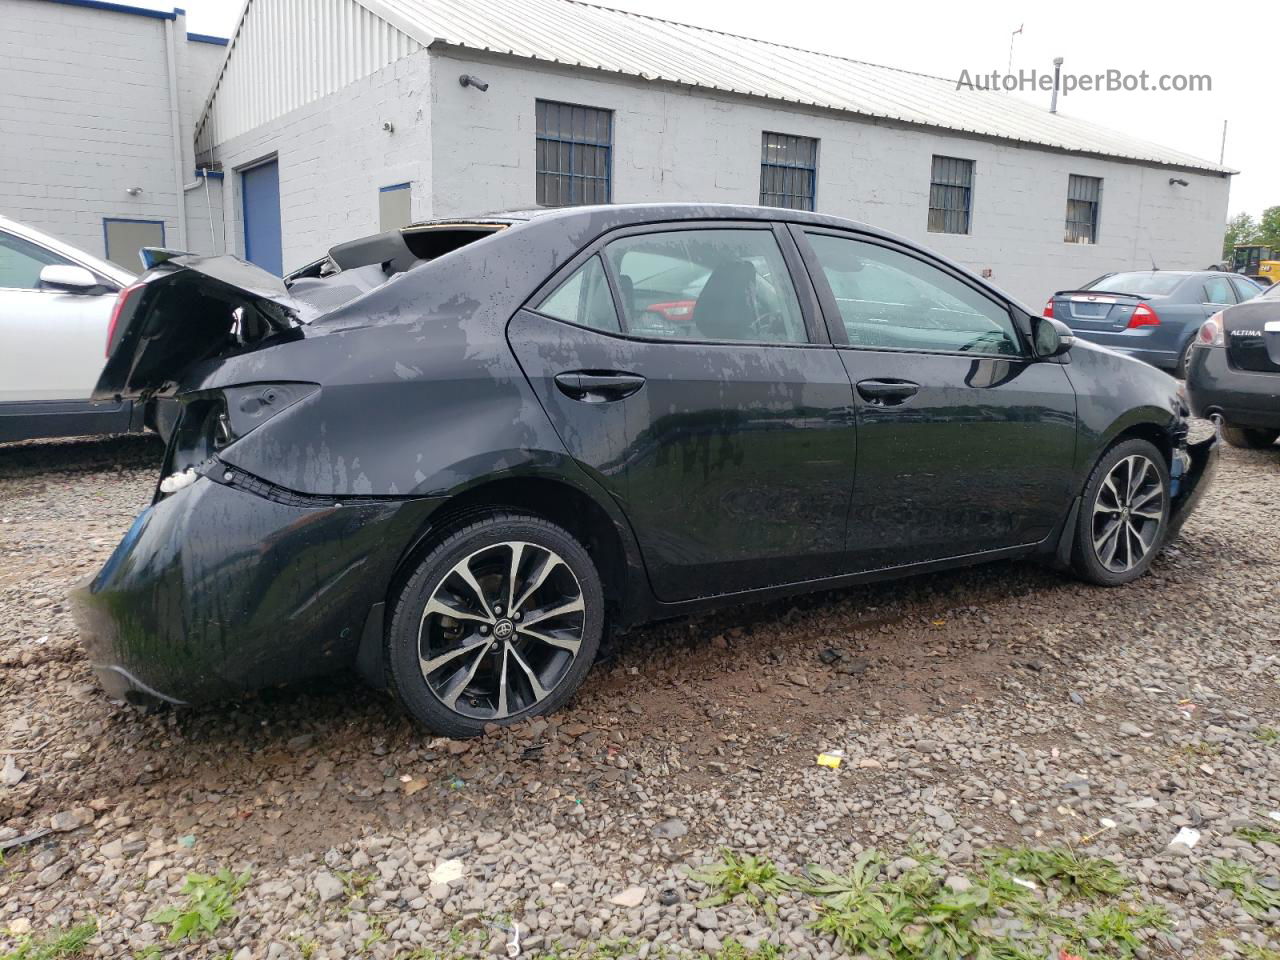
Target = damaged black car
(451,457)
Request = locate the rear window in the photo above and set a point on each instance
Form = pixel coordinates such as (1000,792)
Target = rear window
(1142,284)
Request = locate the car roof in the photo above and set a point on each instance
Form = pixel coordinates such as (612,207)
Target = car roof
(117,273)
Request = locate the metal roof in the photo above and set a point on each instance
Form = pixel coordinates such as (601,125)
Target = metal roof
(585,35)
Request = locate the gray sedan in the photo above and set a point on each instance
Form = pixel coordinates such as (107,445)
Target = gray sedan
(1150,314)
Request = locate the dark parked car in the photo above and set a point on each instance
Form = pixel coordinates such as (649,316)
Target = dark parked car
(453,456)
(1149,314)
(1235,371)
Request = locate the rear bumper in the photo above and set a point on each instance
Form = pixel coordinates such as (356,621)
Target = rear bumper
(215,591)
(1192,471)
(1243,398)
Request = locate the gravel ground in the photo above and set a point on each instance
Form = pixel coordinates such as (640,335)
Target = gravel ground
(1001,706)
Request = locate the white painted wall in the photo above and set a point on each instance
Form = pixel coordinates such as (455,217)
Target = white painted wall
(84,103)
(675,144)
(333,156)
(84,110)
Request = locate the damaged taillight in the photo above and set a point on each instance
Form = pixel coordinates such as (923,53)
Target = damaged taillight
(122,301)
(213,420)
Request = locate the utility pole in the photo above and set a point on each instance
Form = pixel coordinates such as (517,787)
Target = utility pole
(1057,81)
(1222,152)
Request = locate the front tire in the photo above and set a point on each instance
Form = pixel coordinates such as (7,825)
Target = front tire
(1249,438)
(500,622)
(1124,515)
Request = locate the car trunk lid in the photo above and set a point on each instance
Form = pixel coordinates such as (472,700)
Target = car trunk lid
(187,310)
(1096,309)
(1252,333)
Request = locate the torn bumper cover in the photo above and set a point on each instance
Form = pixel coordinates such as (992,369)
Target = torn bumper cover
(217,590)
(1193,467)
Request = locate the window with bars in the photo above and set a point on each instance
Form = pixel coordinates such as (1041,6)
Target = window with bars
(950,195)
(574,154)
(788,171)
(1084,197)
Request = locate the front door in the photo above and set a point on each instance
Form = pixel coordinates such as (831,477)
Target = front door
(260,191)
(966,443)
(51,341)
(698,398)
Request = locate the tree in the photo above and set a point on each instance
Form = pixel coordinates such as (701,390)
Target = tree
(1269,228)
(1242,228)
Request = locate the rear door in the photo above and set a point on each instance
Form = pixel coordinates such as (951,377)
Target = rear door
(965,443)
(52,342)
(683,367)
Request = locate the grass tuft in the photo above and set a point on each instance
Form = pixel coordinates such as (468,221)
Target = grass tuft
(57,945)
(1075,875)
(1255,834)
(1255,899)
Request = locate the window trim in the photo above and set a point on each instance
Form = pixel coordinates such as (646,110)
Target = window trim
(968,197)
(835,322)
(608,147)
(798,274)
(813,171)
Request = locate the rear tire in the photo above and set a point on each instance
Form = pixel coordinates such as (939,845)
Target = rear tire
(1249,438)
(1184,360)
(1124,515)
(500,622)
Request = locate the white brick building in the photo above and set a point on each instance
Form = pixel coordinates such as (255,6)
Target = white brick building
(98,103)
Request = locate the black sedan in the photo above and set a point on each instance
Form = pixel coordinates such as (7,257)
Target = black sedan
(452,456)
(1234,373)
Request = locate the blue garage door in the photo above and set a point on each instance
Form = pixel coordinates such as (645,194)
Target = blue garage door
(260,187)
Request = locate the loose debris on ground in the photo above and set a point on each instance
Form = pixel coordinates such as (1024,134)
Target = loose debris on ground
(1018,753)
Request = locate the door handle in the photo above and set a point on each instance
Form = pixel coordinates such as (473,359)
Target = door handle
(592,387)
(887,393)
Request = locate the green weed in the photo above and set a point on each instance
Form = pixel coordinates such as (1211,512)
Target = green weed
(210,903)
(1255,899)
(755,879)
(1258,835)
(1076,876)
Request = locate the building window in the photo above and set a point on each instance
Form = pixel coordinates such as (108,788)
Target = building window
(788,171)
(1084,196)
(395,206)
(950,193)
(574,161)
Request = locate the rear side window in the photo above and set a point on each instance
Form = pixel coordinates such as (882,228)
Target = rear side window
(1245,289)
(584,299)
(729,284)
(22,261)
(1218,290)
(890,300)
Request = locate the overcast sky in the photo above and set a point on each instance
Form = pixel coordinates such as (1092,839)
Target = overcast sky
(947,38)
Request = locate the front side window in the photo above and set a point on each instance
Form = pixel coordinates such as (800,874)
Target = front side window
(1217,290)
(727,284)
(1084,198)
(890,300)
(950,190)
(584,299)
(574,160)
(21,262)
(788,171)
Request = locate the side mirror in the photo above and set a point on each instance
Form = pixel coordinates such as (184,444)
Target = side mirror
(1052,338)
(68,278)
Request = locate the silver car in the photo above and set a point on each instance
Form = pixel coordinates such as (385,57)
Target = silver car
(55,310)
